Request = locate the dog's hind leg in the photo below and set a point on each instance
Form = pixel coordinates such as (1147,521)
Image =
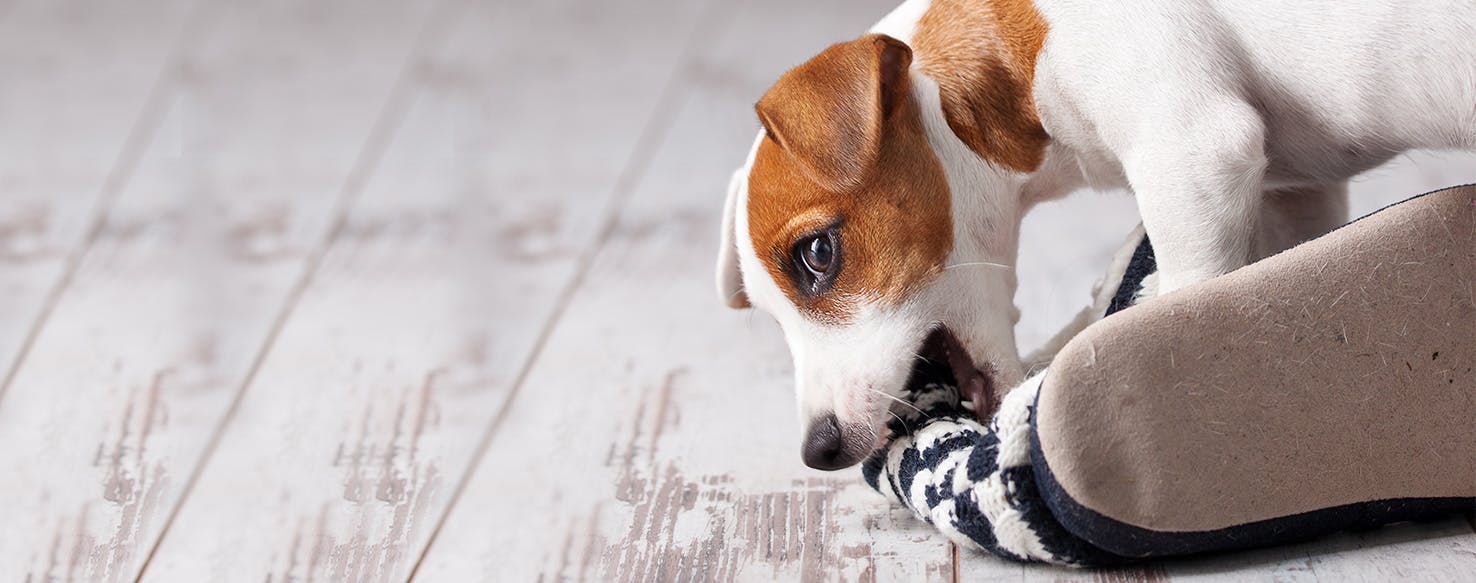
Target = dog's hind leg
(1290,216)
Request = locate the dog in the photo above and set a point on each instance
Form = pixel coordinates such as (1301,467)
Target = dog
(878,213)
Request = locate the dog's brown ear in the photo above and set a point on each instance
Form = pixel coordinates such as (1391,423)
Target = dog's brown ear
(829,113)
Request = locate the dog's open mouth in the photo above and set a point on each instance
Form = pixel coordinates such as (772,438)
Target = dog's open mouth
(942,359)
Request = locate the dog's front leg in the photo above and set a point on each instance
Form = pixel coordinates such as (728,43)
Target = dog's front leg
(1199,192)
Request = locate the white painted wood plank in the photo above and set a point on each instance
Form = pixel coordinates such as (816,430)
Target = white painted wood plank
(1065,245)
(269,210)
(74,80)
(655,438)
(370,406)
(111,411)
(1436,551)
(1440,551)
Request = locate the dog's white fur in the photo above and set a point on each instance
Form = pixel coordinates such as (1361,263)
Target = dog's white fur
(1200,107)
(1235,123)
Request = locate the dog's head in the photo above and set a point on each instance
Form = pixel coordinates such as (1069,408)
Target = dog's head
(876,237)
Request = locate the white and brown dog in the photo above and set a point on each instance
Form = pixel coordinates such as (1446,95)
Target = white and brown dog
(878,214)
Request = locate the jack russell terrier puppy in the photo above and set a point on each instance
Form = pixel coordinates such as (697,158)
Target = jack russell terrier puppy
(877,217)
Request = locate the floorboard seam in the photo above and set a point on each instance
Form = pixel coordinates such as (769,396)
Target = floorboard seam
(648,142)
(953,557)
(135,143)
(375,144)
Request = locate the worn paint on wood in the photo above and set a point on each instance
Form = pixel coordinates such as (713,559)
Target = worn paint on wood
(73,116)
(517,203)
(800,524)
(169,307)
(807,527)
(72,138)
(654,431)
(374,398)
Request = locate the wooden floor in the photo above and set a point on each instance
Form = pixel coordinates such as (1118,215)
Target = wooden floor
(371,290)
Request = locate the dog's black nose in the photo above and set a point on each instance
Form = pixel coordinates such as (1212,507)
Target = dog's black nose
(824,448)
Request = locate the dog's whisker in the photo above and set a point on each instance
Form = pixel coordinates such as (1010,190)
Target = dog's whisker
(901,420)
(914,407)
(875,434)
(979,263)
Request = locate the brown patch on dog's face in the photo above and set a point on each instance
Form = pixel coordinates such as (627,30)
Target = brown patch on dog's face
(846,160)
(982,54)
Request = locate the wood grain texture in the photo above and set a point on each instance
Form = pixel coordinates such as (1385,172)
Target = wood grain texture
(1436,551)
(111,410)
(654,438)
(673,497)
(1439,551)
(368,409)
(355,290)
(73,116)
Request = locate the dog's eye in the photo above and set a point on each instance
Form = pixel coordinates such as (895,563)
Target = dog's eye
(817,254)
(815,261)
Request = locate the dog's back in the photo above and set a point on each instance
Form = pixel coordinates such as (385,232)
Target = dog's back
(1341,86)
